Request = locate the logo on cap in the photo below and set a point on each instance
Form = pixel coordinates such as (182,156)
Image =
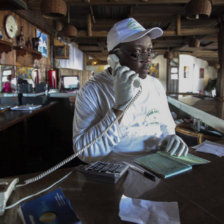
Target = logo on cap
(133,25)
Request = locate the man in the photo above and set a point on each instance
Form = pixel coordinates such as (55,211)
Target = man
(104,98)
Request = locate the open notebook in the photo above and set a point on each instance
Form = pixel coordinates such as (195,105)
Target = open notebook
(164,165)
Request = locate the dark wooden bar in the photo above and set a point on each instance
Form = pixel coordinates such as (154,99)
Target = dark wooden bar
(11,117)
(34,140)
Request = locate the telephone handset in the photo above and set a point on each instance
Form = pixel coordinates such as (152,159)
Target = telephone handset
(114,63)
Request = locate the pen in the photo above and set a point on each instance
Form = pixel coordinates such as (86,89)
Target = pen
(145,173)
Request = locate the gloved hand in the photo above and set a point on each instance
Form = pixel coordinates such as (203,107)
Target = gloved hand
(174,145)
(123,86)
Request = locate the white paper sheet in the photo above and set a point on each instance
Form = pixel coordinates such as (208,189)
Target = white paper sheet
(147,212)
(210,147)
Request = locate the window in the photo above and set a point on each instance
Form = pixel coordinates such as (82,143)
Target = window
(174,73)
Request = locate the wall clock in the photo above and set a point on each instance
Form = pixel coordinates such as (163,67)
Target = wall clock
(11,26)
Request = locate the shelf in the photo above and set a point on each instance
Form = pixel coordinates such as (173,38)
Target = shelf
(21,51)
(5,46)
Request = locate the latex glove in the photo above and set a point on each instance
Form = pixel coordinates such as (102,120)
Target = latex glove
(174,145)
(123,86)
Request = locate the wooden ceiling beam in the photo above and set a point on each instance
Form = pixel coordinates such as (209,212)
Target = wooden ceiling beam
(134,2)
(89,48)
(158,9)
(199,31)
(97,54)
(35,4)
(206,53)
(152,18)
(166,33)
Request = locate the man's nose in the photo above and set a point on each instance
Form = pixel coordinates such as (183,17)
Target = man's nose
(145,57)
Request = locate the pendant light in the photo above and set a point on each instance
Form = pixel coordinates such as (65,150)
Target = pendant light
(53,8)
(196,8)
(58,26)
(70,30)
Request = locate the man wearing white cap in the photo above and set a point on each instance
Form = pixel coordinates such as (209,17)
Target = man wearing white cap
(106,102)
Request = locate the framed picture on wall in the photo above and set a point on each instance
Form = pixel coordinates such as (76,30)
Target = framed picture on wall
(154,70)
(61,52)
(43,43)
(186,72)
(201,73)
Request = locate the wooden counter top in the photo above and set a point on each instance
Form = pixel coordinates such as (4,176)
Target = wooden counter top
(9,118)
(199,194)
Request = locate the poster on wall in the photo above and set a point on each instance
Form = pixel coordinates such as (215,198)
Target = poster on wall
(24,72)
(201,73)
(186,72)
(154,70)
(42,47)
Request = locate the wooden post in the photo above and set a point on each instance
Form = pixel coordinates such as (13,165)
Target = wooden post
(85,59)
(220,79)
(178,25)
(89,25)
(168,75)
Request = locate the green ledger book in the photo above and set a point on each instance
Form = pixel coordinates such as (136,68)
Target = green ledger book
(165,165)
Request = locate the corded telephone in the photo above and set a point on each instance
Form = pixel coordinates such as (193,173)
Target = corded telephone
(113,61)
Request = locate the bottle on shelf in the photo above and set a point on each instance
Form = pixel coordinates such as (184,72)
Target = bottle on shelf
(20,38)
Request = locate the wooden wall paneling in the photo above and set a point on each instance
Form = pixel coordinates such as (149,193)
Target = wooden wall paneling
(84,75)
(8,58)
(27,60)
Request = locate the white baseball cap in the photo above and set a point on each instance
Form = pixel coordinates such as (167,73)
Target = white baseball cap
(128,30)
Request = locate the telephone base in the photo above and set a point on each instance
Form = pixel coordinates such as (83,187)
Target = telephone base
(7,186)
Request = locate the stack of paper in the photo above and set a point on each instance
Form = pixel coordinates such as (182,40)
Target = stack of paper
(148,212)
(210,147)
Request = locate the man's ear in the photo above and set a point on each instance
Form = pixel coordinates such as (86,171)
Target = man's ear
(116,51)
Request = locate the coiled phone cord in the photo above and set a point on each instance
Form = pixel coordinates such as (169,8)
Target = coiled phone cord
(63,162)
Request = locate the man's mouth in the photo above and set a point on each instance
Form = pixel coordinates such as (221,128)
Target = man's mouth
(146,66)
